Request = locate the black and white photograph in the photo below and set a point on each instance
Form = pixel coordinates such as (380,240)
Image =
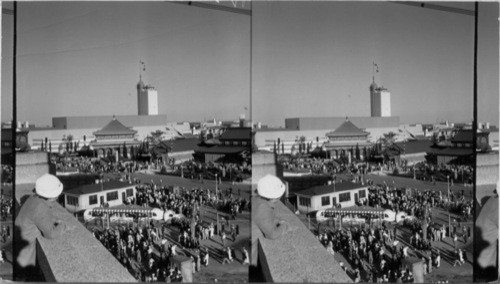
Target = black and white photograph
(129,127)
(364,169)
(237,141)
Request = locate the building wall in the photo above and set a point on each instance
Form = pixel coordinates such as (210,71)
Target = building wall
(152,102)
(331,123)
(181,157)
(264,140)
(385,104)
(35,136)
(98,122)
(376,104)
(83,200)
(316,200)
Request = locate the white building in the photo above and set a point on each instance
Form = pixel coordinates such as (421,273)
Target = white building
(327,196)
(380,99)
(94,195)
(147,99)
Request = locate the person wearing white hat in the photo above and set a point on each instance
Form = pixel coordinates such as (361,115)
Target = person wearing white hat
(36,219)
(269,189)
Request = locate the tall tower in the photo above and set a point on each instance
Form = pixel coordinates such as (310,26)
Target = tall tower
(147,99)
(380,100)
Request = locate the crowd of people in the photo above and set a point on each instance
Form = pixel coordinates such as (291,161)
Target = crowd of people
(183,200)
(6,210)
(416,202)
(208,171)
(135,247)
(371,251)
(96,165)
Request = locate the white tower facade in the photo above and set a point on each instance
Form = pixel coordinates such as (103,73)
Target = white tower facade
(380,99)
(147,99)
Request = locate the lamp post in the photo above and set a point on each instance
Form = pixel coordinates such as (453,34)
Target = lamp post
(449,202)
(216,203)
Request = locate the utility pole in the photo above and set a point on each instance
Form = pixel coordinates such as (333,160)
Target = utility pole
(449,202)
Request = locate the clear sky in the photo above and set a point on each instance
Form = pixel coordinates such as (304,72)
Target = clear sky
(313,59)
(308,59)
(82,58)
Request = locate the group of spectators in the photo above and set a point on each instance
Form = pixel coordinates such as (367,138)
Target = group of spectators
(416,203)
(367,249)
(135,247)
(95,165)
(442,172)
(6,207)
(208,171)
(183,200)
(371,252)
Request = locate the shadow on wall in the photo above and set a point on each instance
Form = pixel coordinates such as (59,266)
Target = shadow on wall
(486,240)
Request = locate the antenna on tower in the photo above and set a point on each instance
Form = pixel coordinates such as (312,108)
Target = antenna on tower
(142,67)
(375,69)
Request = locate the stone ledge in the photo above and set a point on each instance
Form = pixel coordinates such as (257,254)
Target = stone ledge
(31,158)
(297,256)
(30,173)
(77,256)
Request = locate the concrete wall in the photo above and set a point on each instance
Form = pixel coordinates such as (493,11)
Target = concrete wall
(78,256)
(30,166)
(263,164)
(296,257)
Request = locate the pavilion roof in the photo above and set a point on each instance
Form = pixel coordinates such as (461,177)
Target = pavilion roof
(347,129)
(115,127)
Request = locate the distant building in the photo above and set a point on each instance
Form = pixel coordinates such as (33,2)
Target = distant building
(114,139)
(89,196)
(233,143)
(182,150)
(314,131)
(327,196)
(147,99)
(380,99)
(347,140)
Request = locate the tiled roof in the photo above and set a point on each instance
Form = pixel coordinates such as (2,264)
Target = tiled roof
(325,189)
(347,129)
(463,136)
(414,146)
(452,151)
(182,145)
(92,188)
(240,133)
(114,127)
(221,150)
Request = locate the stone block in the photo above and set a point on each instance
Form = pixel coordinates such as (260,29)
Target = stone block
(30,173)
(78,256)
(31,158)
(262,157)
(297,256)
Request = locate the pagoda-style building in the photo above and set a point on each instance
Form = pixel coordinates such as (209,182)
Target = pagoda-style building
(115,139)
(233,145)
(347,140)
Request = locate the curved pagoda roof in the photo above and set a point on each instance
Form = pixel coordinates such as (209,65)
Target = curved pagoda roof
(115,127)
(347,129)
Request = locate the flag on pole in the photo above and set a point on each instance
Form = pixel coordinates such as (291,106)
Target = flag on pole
(376,66)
